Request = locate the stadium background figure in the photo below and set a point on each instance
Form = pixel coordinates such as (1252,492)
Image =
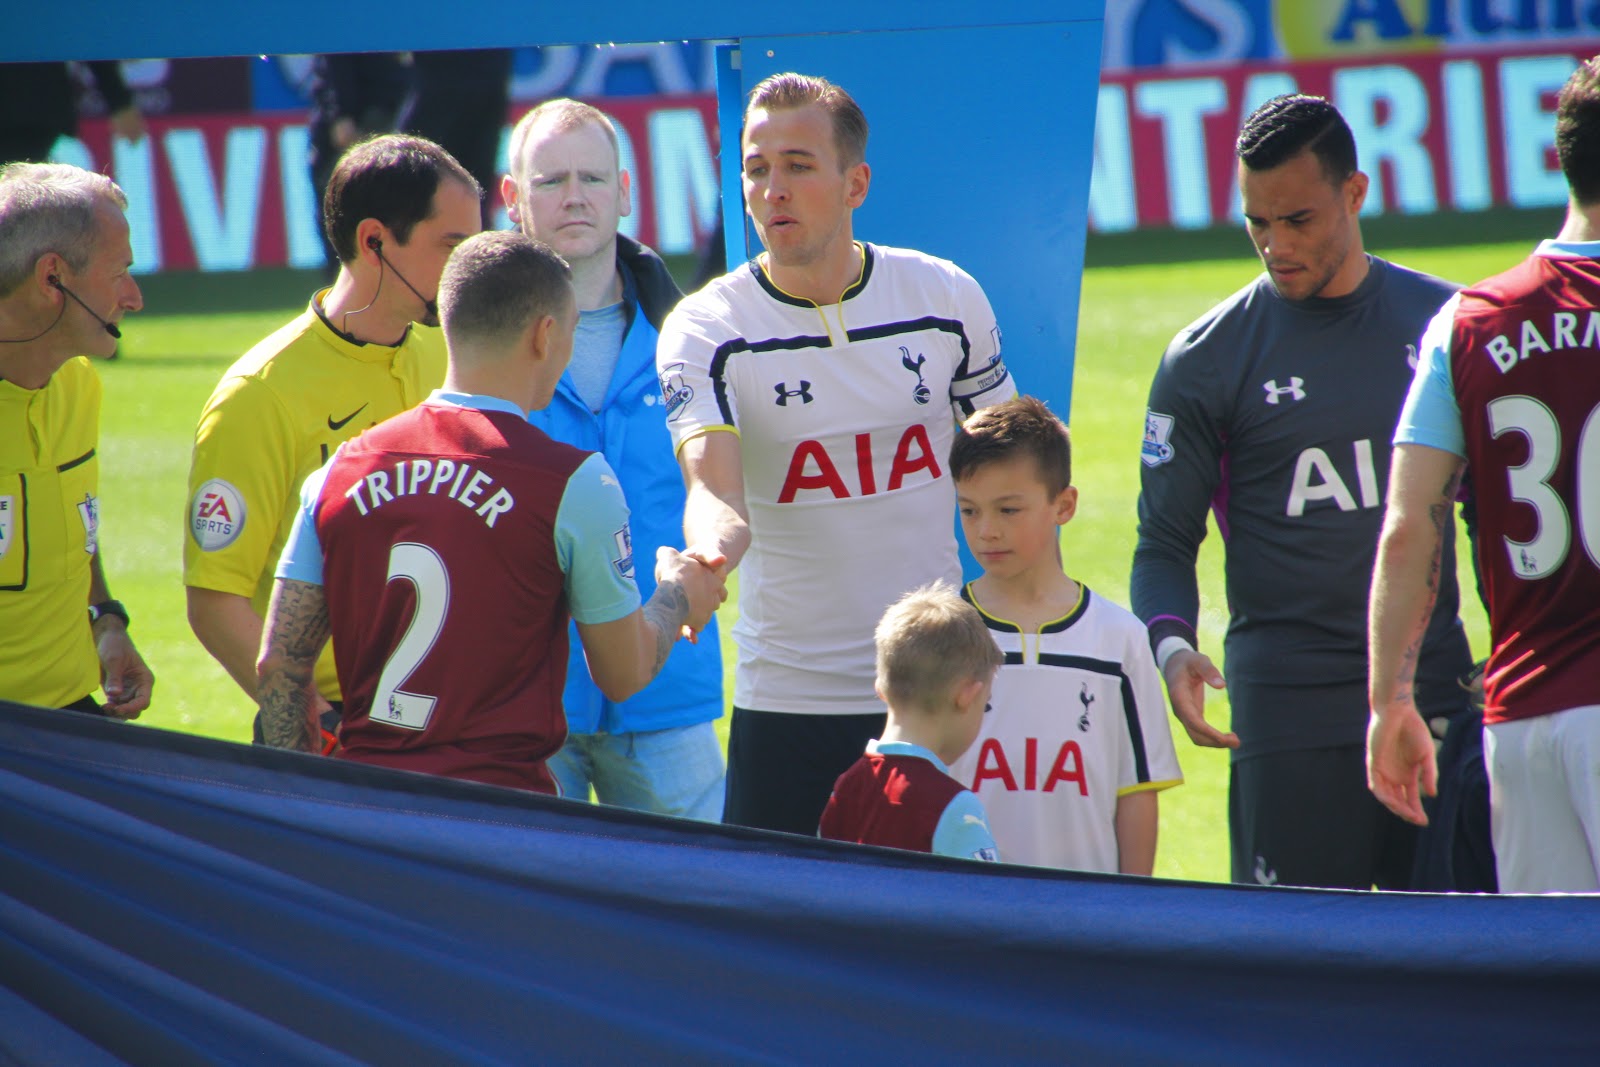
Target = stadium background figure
(39,104)
(353,97)
(459,101)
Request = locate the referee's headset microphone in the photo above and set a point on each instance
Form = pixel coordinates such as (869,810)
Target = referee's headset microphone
(376,244)
(54,282)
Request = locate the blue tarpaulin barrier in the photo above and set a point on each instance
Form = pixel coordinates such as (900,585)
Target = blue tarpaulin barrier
(169,899)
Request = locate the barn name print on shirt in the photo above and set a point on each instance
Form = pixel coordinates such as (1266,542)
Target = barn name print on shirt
(1560,334)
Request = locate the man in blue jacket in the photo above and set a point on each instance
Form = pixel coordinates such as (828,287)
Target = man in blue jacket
(657,751)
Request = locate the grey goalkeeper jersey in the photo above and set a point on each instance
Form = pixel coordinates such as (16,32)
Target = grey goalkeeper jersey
(1278,416)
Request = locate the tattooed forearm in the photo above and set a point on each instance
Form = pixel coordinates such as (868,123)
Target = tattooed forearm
(297,628)
(666,612)
(297,622)
(1441,513)
(286,708)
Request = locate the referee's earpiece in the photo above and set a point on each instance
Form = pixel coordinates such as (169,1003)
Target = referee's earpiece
(376,244)
(55,283)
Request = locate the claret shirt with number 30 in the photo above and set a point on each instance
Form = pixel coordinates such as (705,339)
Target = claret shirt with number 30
(845,414)
(1510,381)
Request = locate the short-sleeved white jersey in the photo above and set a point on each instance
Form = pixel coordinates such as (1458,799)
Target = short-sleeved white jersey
(845,415)
(1077,719)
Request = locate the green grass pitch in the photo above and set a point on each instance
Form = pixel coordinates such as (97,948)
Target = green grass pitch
(1137,292)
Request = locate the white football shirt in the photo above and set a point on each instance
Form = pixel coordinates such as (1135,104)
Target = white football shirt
(845,414)
(1077,719)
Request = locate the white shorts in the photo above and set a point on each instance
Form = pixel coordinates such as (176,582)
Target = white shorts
(1544,801)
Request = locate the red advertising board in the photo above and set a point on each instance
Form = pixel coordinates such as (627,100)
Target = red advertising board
(1445,130)
(1435,131)
(232,191)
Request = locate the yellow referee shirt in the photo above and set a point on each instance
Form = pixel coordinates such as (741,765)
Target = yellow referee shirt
(276,416)
(49,519)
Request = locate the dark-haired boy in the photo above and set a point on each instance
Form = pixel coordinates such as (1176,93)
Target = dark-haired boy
(1075,746)
(936,666)
(394,209)
(1275,410)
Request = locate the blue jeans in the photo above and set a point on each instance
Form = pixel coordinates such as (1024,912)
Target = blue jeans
(668,772)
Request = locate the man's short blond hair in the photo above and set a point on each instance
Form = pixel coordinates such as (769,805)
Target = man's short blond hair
(562,116)
(929,642)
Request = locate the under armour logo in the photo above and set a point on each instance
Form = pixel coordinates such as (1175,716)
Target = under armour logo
(1085,698)
(1295,388)
(784,393)
(921,393)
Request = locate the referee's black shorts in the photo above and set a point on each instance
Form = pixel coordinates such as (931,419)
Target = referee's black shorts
(782,766)
(1305,817)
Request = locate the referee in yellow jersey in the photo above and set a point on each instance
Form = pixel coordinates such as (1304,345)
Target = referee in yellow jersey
(365,350)
(64,285)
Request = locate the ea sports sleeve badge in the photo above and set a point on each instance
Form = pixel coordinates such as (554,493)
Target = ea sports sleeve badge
(216,515)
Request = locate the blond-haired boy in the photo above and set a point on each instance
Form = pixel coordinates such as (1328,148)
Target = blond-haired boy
(936,664)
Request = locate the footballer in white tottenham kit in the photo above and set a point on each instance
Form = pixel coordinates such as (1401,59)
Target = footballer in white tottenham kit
(845,418)
(813,395)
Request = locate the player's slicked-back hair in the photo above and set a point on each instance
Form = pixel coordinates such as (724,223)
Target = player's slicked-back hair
(784,92)
(560,116)
(1287,125)
(929,642)
(496,283)
(1578,132)
(49,207)
(392,178)
(1021,426)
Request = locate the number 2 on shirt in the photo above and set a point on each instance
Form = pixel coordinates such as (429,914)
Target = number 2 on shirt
(425,570)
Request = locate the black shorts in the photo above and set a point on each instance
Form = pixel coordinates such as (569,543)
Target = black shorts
(782,766)
(1305,817)
(88,705)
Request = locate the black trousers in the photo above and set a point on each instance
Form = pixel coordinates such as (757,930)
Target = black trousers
(782,766)
(1305,817)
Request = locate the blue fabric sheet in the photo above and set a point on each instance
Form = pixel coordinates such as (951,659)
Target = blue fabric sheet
(170,899)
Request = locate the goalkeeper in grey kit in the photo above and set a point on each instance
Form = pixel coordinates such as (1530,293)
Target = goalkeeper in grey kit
(1276,411)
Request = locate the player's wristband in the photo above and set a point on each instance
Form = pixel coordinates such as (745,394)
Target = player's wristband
(108,607)
(1169,647)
